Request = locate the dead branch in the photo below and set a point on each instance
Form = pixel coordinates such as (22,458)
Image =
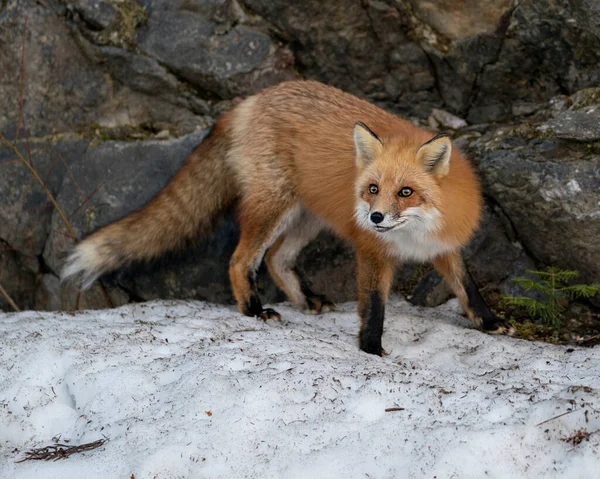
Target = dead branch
(9,299)
(22,90)
(392,409)
(59,451)
(589,338)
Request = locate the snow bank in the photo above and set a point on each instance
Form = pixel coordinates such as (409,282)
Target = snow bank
(189,389)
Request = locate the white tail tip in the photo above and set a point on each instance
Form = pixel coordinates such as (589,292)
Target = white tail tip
(83,265)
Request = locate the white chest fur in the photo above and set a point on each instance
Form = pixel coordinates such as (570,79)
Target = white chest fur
(417,240)
(413,246)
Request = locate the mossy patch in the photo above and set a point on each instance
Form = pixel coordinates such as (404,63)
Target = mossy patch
(532,131)
(98,133)
(531,331)
(122,31)
(581,322)
(585,97)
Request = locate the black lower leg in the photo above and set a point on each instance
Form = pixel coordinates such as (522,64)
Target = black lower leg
(372,313)
(477,303)
(489,321)
(254,306)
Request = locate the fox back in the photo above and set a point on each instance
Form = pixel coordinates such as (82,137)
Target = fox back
(297,138)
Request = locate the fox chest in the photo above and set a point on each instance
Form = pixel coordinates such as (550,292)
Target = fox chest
(410,247)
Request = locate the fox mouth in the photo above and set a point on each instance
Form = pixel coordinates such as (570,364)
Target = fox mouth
(383,229)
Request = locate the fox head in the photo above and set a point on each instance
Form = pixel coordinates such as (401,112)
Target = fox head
(397,186)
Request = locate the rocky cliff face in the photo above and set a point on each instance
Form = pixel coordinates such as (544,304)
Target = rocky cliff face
(117,92)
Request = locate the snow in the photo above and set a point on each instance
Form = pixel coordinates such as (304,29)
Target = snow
(195,390)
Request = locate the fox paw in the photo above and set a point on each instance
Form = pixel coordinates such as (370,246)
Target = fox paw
(498,326)
(318,304)
(370,344)
(269,313)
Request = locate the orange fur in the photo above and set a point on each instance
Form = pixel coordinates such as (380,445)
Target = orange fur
(288,156)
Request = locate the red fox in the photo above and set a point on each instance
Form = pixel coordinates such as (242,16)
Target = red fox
(298,157)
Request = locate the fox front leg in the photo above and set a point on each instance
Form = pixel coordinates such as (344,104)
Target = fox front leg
(374,280)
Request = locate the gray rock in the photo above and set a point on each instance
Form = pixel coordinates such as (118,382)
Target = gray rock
(537,50)
(99,14)
(549,190)
(582,124)
(442,118)
(72,83)
(329,266)
(107,22)
(98,296)
(18,281)
(493,255)
(546,49)
(360,47)
(325,31)
(62,87)
(456,19)
(146,75)
(47,294)
(525,108)
(225,64)
(25,209)
(218,11)
(458,70)
(431,291)
(580,99)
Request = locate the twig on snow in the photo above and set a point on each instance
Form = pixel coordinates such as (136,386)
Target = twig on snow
(59,451)
(556,417)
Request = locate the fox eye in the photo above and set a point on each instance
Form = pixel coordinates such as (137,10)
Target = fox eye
(373,189)
(405,192)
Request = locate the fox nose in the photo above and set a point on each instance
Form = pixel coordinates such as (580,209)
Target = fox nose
(376,217)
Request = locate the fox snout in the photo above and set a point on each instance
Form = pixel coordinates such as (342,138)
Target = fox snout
(377,217)
(382,221)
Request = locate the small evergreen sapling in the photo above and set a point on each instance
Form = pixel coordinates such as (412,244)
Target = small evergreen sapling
(553,284)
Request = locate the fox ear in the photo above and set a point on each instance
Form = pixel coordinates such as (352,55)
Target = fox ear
(435,155)
(366,144)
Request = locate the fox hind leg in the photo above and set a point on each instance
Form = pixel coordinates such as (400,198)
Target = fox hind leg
(452,268)
(281,258)
(260,227)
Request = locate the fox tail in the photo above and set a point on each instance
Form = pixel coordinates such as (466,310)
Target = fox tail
(185,209)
